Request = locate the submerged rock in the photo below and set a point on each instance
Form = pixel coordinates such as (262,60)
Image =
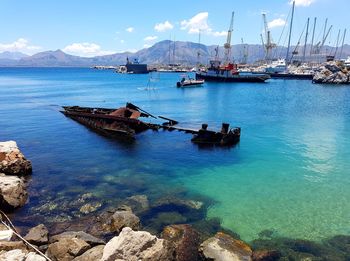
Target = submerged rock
(12,192)
(266,255)
(137,245)
(12,161)
(90,207)
(185,241)
(38,235)
(123,217)
(138,203)
(187,203)
(225,248)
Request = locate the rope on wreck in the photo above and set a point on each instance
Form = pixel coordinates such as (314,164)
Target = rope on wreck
(12,227)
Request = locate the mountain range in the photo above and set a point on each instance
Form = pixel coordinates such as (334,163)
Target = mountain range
(163,52)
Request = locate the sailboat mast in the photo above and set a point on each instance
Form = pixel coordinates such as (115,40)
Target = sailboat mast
(198,52)
(306,35)
(290,33)
(342,45)
(313,36)
(174,51)
(337,45)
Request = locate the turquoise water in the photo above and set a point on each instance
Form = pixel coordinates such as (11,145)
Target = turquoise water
(290,173)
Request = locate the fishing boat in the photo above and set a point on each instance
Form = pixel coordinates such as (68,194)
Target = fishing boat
(229,73)
(189,82)
(123,121)
(225,137)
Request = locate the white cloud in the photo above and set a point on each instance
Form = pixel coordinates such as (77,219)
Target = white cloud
(150,38)
(162,27)
(197,23)
(218,34)
(130,29)
(277,23)
(85,49)
(302,2)
(147,45)
(20,45)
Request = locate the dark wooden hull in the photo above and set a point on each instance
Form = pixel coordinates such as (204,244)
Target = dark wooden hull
(292,76)
(99,120)
(217,138)
(238,78)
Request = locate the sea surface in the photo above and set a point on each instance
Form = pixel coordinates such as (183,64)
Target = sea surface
(289,175)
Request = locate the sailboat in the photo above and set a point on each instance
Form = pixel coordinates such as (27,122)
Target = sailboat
(279,68)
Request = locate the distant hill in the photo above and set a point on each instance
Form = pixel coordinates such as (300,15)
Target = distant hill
(163,52)
(12,55)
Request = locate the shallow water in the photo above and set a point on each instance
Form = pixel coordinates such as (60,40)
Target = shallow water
(289,174)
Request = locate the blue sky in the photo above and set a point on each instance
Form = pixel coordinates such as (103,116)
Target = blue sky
(91,27)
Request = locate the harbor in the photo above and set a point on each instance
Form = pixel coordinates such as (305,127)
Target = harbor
(192,135)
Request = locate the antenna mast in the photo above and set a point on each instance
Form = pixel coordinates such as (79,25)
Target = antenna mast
(227,45)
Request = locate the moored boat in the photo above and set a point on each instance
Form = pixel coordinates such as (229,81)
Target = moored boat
(189,82)
(229,73)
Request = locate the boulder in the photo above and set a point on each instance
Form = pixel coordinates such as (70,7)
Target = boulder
(12,192)
(38,235)
(31,256)
(137,245)
(91,240)
(92,254)
(13,255)
(12,161)
(11,245)
(185,241)
(225,248)
(123,217)
(67,248)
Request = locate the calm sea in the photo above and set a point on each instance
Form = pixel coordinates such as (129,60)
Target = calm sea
(290,173)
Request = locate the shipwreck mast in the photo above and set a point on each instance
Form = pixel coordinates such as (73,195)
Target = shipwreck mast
(227,45)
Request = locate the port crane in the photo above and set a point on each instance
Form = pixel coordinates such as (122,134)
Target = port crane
(227,45)
(269,45)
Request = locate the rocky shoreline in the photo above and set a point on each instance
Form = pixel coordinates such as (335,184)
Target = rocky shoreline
(332,73)
(123,232)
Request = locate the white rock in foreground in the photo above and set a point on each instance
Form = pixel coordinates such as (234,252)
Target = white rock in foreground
(12,192)
(136,245)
